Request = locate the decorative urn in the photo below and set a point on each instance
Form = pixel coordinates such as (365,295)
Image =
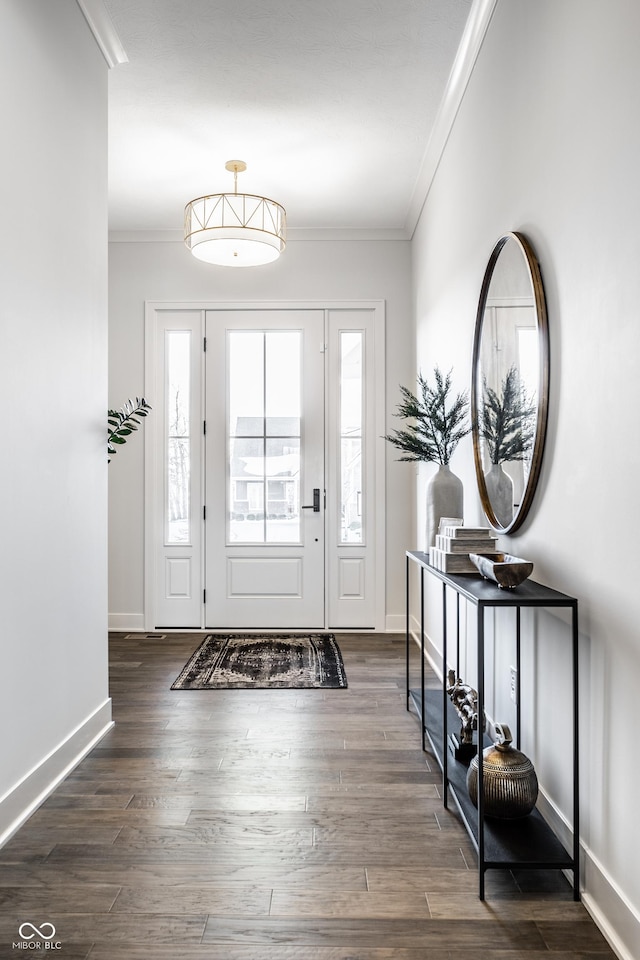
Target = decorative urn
(510,785)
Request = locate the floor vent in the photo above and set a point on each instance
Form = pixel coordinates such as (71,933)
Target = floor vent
(145,636)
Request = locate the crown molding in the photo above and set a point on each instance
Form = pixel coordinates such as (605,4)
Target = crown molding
(354,233)
(470,45)
(295,236)
(102,28)
(146,236)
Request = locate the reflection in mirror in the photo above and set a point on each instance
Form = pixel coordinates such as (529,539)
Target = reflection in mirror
(509,392)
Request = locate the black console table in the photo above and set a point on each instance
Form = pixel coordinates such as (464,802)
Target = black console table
(527,843)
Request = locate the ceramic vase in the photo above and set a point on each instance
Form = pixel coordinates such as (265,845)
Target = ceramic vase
(444,499)
(500,492)
(509,781)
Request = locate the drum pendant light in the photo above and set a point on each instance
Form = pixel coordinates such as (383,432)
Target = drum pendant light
(235,229)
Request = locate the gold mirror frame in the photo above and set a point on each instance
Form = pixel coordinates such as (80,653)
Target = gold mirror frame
(537,298)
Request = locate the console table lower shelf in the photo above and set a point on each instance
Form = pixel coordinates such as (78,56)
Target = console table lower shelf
(528,843)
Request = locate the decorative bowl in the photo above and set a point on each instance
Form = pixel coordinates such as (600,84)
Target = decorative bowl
(507,571)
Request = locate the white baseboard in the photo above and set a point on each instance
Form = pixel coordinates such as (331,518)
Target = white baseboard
(395,623)
(431,652)
(17,805)
(126,622)
(617,919)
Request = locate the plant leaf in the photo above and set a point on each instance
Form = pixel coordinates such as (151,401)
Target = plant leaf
(439,424)
(122,423)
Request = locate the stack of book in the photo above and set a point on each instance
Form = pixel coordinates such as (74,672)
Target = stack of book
(455,543)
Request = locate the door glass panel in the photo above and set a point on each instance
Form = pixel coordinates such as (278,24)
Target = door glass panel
(283,382)
(246,489)
(528,353)
(351,390)
(178,439)
(283,486)
(264,436)
(246,383)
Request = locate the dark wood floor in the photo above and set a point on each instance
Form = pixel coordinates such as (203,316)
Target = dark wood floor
(269,825)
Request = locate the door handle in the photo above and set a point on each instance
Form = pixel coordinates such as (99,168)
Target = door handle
(315,506)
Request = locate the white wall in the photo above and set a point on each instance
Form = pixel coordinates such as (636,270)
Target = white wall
(53,334)
(308,270)
(547,142)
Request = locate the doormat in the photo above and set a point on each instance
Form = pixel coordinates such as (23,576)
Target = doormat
(264,661)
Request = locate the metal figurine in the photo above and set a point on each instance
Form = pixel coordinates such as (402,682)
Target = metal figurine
(465,700)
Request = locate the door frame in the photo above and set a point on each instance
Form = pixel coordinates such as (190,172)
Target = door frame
(377,308)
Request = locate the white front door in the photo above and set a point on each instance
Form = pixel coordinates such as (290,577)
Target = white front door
(272,517)
(264,469)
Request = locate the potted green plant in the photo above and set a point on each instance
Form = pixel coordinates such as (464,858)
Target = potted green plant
(437,424)
(122,423)
(507,425)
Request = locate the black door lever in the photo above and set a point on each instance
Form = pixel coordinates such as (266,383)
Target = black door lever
(315,506)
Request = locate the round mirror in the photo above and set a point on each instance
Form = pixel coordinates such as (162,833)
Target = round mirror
(510,384)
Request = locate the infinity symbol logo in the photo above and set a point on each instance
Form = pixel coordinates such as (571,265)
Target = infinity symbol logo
(36,932)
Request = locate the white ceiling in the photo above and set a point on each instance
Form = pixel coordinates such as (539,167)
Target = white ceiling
(331,104)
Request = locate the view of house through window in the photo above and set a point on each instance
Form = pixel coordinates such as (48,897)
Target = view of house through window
(178,439)
(264,377)
(351,386)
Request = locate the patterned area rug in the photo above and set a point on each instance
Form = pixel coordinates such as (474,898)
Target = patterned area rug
(264,662)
